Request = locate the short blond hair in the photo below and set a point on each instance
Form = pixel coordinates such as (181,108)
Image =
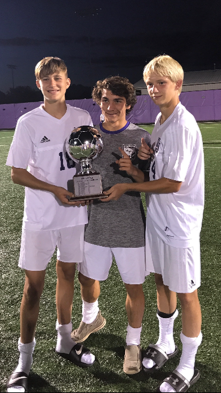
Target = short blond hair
(165,65)
(48,66)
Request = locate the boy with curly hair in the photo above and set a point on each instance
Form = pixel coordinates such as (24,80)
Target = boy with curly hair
(116,229)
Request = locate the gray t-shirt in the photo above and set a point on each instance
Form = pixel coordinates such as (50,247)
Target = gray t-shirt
(117,223)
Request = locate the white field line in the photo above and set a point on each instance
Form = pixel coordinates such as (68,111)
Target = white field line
(212,141)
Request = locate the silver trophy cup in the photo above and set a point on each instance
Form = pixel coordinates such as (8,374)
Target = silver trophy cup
(84,145)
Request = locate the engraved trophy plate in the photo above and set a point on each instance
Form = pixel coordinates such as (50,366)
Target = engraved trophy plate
(84,145)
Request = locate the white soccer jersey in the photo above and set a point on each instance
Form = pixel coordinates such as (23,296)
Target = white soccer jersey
(38,145)
(178,155)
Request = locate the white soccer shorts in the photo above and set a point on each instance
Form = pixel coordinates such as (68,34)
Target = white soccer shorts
(37,247)
(180,267)
(98,260)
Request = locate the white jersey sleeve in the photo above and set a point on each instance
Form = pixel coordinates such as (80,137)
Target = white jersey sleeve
(21,149)
(182,141)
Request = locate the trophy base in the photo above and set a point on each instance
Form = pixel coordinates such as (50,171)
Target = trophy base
(88,197)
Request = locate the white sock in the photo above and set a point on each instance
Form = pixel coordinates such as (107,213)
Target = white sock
(166,340)
(89,311)
(189,351)
(25,358)
(133,335)
(187,360)
(65,342)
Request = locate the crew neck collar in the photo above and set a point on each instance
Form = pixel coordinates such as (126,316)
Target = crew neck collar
(114,132)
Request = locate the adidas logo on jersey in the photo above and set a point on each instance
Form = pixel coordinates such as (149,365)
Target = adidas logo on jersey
(45,139)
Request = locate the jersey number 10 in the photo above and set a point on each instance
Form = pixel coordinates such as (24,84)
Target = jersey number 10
(70,162)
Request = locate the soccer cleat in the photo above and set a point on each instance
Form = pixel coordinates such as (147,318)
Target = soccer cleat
(132,359)
(85,329)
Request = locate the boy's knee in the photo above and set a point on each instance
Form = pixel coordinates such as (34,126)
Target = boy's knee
(66,271)
(85,281)
(33,291)
(188,299)
(134,290)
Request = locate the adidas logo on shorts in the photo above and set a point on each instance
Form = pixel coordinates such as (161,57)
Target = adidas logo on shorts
(45,139)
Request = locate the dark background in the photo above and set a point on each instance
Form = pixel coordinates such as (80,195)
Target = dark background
(100,38)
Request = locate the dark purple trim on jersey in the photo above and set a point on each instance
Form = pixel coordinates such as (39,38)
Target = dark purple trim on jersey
(114,132)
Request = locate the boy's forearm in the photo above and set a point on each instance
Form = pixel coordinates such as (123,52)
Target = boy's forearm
(26,179)
(160,186)
(138,175)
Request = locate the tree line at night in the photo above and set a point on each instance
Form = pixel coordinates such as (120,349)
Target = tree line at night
(21,94)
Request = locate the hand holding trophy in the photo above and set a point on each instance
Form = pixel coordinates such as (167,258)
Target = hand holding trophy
(83,145)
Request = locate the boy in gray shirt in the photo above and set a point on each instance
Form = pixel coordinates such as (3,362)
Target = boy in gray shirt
(116,229)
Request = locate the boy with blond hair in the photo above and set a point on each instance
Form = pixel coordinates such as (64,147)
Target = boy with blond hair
(174,220)
(39,163)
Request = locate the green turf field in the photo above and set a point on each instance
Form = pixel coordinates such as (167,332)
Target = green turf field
(52,374)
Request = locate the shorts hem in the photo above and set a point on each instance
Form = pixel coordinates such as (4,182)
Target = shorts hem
(188,291)
(31,270)
(90,276)
(134,283)
(76,262)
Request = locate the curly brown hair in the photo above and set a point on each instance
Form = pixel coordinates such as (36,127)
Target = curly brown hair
(119,86)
